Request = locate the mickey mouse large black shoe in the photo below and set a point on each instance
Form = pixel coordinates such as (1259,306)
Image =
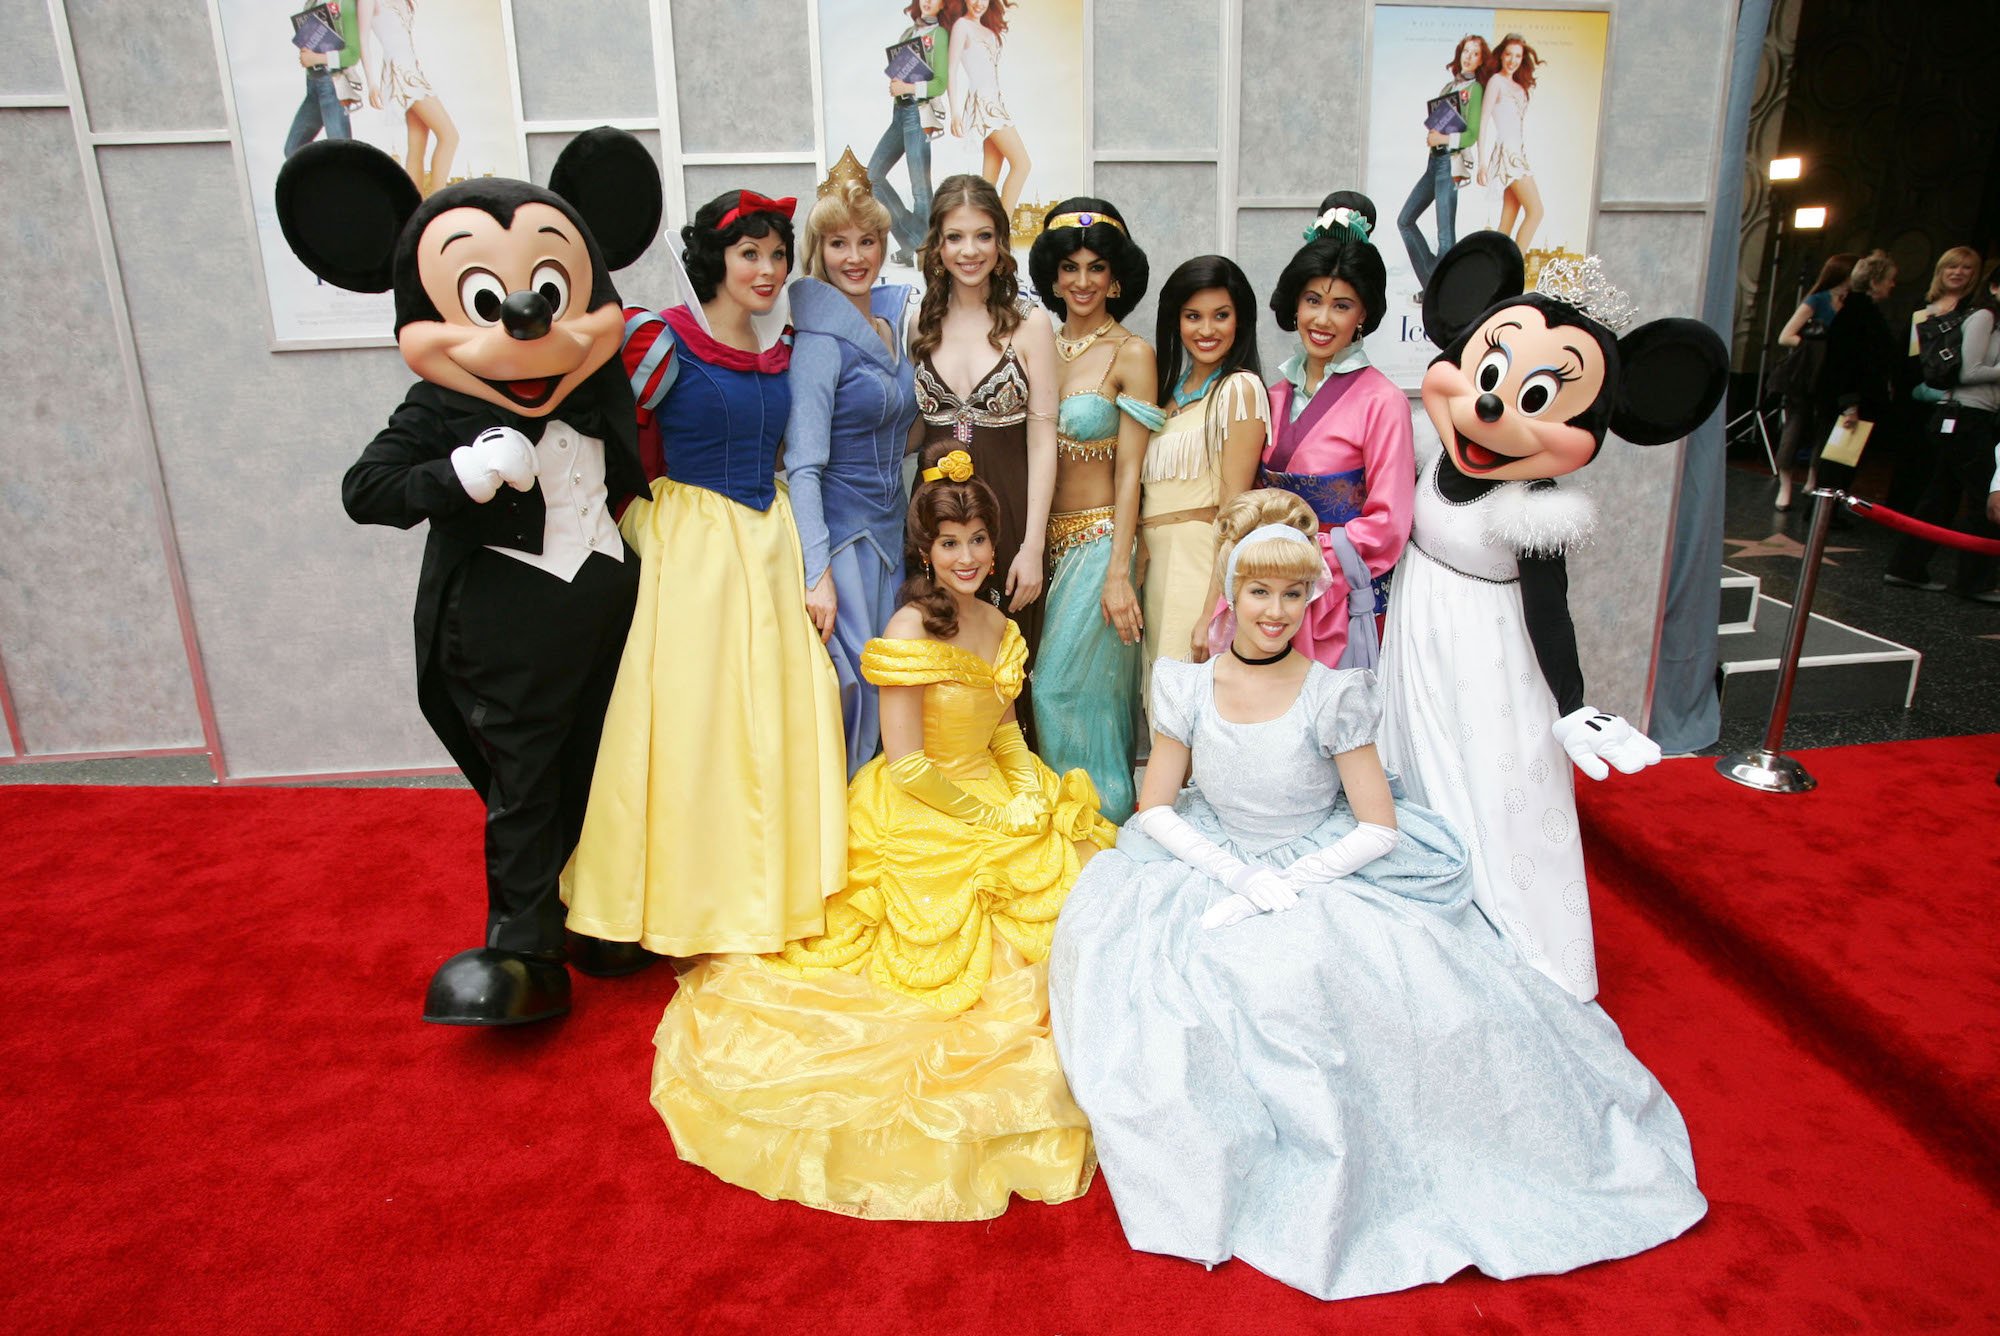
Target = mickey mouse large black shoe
(606,960)
(488,986)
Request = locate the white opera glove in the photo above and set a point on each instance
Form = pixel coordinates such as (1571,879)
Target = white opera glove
(1258,887)
(1592,738)
(1348,854)
(497,455)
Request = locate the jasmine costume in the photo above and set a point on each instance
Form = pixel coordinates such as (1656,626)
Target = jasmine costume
(1086,686)
(852,405)
(1367,1091)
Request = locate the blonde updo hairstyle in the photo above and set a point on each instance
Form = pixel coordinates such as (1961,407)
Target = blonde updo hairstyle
(852,205)
(1275,559)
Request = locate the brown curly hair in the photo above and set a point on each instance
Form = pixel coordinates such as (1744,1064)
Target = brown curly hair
(932,505)
(1003,285)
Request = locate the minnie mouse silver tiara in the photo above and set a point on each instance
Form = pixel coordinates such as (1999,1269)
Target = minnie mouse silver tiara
(1582,284)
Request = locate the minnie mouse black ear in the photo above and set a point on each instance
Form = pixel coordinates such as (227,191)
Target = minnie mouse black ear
(1673,374)
(341,205)
(613,183)
(1479,271)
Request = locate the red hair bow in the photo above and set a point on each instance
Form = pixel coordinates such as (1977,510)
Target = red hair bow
(749,202)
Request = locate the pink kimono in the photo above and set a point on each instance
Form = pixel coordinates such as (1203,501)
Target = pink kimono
(1350,457)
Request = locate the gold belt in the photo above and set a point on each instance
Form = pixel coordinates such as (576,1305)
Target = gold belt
(1200,514)
(1073,528)
(1085,452)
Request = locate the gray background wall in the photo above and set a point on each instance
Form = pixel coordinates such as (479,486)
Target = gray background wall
(176,573)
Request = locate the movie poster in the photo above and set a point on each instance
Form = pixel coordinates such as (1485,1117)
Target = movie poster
(429,82)
(924,89)
(1478,118)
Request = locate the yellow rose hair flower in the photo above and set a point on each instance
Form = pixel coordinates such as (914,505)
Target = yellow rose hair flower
(956,466)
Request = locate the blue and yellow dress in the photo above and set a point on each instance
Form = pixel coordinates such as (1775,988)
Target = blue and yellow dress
(718,810)
(1086,678)
(900,1066)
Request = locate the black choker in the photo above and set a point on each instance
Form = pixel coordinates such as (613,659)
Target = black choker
(1259,663)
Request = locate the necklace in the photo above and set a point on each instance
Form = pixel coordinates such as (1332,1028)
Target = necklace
(1259,663)
(1181,395)
(1071,349)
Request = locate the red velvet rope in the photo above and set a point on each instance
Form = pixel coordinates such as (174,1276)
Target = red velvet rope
(1894,519)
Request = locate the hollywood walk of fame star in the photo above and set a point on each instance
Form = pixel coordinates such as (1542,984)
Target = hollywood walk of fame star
(1778,545)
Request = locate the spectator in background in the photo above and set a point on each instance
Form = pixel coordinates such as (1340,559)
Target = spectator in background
(1854,384)
(1798,374)
(1963,427)
(1948,301)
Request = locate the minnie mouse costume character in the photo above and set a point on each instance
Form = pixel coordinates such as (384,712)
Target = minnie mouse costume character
(1485,700)
(517,444)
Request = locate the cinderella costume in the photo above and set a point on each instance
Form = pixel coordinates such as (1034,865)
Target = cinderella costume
(1368,1091)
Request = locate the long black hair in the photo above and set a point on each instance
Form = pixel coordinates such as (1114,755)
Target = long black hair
(705,243)
(1198,275)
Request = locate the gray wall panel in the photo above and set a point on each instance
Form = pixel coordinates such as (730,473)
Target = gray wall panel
(1171,207)
(577,61)
(150,64)
(1158,82)
(28,61)
(1663,99)
(304,618)
(717,49)
(94,655)
(1265,240)
(1302,97)
(777,180)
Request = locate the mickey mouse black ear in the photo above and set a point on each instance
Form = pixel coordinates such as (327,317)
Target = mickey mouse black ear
(613,183)
(341,206)
(1482,269)
(1673,374)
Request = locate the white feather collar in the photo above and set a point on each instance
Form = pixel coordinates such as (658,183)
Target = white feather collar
(1539,521)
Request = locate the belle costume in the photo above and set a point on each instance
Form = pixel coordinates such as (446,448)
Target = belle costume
(899,1066)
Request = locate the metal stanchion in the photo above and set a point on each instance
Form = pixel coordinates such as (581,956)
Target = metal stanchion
(1766,767)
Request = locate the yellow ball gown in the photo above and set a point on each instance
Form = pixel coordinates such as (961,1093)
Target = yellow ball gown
(900,1065)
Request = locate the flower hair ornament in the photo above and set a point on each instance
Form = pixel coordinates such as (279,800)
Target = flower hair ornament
(1352,220)
(954,467)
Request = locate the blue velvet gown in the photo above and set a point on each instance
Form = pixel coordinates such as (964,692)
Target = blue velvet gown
(853,401)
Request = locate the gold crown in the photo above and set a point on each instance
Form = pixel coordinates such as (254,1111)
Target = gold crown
(847,172)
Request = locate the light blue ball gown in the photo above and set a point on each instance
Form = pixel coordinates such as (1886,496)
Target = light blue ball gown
(1369,1091)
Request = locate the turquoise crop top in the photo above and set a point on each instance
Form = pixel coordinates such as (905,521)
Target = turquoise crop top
(1087,423)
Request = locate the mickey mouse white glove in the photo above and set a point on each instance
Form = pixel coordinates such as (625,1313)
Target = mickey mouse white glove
(497,455)
(1592,738)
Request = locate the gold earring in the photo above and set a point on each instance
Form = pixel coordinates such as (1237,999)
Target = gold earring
(1115,290)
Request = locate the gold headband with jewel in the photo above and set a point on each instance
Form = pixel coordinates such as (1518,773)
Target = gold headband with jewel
(956,466)
(1084,220)
(847,171)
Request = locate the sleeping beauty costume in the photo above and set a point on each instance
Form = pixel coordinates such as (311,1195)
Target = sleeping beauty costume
(899,1066)
(717,807)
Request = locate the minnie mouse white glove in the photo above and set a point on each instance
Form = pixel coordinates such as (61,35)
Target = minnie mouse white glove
(497,455)
(1592,738)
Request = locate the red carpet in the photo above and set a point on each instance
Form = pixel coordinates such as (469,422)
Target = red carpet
(222,1115)
(1862,913)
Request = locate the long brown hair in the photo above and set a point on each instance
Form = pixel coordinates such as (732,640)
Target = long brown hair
(1003,285)
(1525,74)
(932,505)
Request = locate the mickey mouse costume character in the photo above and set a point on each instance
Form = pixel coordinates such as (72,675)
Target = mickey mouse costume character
(1485,703)
(516,445)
